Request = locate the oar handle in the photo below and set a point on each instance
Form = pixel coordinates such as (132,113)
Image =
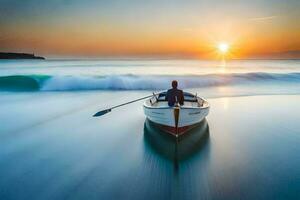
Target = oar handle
(103,112)
(123,104)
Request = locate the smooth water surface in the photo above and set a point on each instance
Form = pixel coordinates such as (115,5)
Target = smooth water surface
(52,148)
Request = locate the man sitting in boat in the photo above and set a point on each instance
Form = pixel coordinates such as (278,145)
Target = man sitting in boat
(174,95)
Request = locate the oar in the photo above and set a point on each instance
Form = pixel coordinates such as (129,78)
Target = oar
(103,112)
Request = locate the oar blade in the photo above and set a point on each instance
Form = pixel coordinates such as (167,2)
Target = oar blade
(102,112)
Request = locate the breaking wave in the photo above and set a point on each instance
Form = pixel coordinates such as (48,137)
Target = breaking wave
(134,82)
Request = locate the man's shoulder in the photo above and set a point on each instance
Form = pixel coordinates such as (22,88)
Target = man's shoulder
(172,90)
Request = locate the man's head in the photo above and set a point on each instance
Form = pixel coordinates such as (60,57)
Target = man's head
(174,84)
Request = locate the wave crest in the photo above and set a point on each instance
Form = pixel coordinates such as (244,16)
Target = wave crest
(133,82)
(19,83)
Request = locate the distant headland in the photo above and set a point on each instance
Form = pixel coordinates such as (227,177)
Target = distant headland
(19,56)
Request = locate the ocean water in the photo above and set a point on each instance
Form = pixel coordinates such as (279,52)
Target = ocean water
(52,148)
(152,75)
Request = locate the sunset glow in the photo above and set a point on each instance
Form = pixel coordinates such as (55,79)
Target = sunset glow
(185,29)
(223,48)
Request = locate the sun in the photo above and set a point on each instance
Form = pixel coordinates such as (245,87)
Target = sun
(223,47)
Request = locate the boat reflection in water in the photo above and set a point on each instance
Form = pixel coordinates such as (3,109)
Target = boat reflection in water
(174,149)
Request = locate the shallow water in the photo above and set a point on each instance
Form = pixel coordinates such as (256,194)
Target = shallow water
(51,148)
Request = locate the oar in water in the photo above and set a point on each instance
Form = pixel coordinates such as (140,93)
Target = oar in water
(103,112)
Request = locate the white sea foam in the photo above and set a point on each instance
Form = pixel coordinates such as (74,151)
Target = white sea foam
(133,82)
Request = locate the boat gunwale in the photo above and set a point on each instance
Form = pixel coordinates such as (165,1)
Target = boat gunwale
(181,107)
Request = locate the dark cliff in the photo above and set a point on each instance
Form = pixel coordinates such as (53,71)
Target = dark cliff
(19,56)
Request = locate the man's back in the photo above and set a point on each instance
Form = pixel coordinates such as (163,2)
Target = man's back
(174,93)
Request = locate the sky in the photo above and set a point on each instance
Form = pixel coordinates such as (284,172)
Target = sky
(164,28)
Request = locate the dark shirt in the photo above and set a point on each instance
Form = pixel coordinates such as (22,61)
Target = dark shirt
(171,96)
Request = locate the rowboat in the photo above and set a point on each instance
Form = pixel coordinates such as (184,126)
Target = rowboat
(178,119)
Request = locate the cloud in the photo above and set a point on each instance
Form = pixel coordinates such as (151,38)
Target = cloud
(263,18)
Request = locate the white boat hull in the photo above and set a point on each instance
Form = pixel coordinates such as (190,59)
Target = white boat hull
(188,116)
